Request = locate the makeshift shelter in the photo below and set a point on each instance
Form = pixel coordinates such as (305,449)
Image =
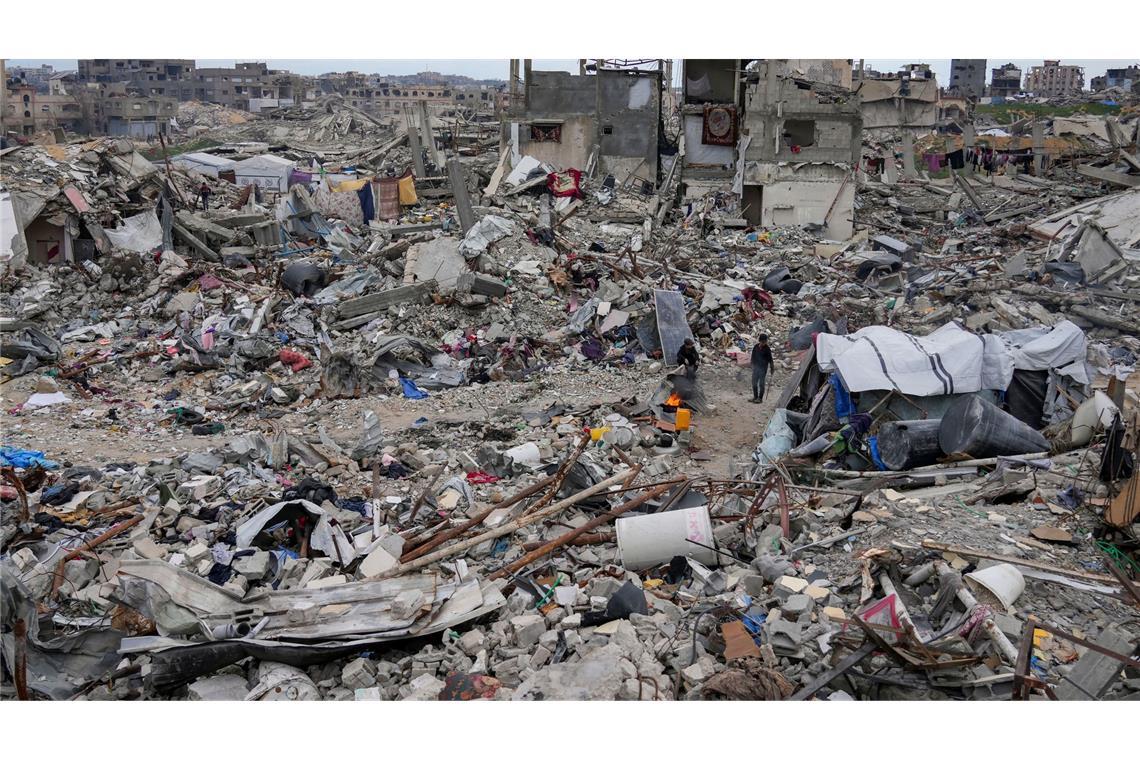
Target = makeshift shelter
(204,163)
(268,171)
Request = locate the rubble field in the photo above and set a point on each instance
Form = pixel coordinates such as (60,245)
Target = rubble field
(399,420)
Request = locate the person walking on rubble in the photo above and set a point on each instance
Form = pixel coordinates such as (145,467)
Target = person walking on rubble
(689,358)
(204,195)
(761,363)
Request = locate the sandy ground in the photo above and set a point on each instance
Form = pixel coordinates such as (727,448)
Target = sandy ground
(85,432)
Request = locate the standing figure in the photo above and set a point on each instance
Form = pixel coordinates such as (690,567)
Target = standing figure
(761,363)
(204,196)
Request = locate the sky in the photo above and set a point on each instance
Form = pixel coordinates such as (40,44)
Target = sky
(498,68)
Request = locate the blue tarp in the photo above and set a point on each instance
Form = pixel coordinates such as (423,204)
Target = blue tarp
(844,406)
(24,458)
(410,389)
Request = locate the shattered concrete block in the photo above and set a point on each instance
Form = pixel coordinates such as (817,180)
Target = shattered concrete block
(785,635)
(471,642)
(595,676)
(370,694)
(408,604)
(539,658)
(379,560)
(254,566)
(771,567)
(227,688)
(786,585)
(423,688)
(200,487)
(753,584)
(148,549)
(358,674)
(571,621)
(797,605)
(195,553)
(527,629)
(332,580)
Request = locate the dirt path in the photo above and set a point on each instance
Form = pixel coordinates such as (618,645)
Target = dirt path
(736,425)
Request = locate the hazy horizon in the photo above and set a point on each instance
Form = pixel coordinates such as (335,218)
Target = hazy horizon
(498,68)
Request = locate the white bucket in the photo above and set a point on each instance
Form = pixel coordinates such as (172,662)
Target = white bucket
(651,540)
(1003,582)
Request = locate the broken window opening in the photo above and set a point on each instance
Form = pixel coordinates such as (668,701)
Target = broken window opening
(546,133)
(608,129)
(799,133)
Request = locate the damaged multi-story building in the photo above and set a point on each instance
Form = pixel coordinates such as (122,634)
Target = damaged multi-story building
(784,135)
(606,117)
(967,77)
(801,142)
(1052,80)
(906,101)
(1005,81)
(712,101)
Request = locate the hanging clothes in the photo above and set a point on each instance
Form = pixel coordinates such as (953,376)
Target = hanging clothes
(367,206)
(933,162)
(389,199)
(408,195)
(956,159)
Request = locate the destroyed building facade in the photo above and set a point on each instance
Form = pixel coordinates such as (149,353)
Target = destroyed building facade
(803,139)
(1052,79)
(610,117)
(967,77)
(1005,81)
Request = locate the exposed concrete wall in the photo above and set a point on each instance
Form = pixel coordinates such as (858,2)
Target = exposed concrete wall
(617,111)
(884,105)
(834,71)
(811,186)
(775,106)
(630,112)
(551,93)
(578,136)
(802,195)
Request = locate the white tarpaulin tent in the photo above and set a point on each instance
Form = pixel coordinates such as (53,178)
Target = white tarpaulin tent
(203,163)
(271,172)
(950,360)
(141,233)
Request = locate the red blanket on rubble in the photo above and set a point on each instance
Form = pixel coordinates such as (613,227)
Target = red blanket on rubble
(565,183)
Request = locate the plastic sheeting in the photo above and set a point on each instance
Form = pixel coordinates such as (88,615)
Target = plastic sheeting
(326,538)
(779,439)
(141,233)
(949,360)
(1061,348)
(977,428)
(486,231)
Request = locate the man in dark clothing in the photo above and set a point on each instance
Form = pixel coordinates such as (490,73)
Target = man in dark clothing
(689,357)
(204,196)
(761,362)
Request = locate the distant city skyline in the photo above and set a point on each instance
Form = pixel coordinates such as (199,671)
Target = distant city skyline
(498,68)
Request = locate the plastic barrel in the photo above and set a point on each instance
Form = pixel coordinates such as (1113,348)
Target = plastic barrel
(979,429)
(909,443)
(651,540)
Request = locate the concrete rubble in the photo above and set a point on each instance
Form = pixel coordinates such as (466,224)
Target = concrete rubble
(402,427)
